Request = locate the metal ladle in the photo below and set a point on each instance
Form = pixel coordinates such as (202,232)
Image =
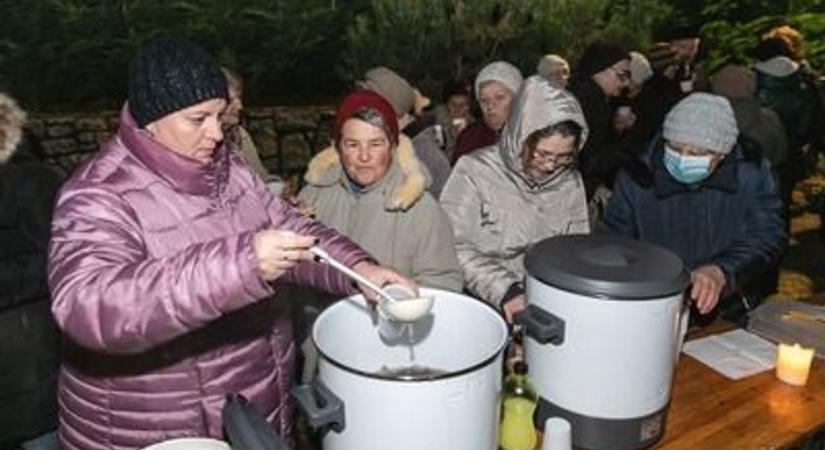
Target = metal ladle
(421,306)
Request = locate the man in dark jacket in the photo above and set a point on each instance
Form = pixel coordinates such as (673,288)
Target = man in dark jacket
(28,335)
(602,73)
(784,87)
(759,124)
(699,195)
(675,75)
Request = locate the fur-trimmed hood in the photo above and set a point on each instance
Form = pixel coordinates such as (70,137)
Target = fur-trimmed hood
(325,170)
(12,120)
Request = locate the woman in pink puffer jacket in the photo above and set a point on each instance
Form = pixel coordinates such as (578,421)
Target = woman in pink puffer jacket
(169,263)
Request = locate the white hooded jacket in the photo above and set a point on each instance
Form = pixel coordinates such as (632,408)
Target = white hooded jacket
(497,212)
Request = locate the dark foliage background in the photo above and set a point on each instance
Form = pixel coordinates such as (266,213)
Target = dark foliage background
(74,54)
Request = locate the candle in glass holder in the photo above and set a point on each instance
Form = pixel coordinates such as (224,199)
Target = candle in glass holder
(793,364)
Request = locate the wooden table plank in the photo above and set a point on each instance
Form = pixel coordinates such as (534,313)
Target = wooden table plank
(709,411)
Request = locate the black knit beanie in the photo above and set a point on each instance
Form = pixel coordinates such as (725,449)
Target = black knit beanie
(170,74)
(599,56)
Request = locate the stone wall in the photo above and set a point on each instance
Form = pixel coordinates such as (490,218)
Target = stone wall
(286,137)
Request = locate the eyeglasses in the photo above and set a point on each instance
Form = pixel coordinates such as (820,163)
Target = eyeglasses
(558,160)
(622,75)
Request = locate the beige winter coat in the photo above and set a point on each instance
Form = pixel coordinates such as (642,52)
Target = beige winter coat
(497,212)
(395,220)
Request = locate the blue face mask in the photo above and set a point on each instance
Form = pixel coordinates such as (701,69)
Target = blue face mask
(686,169)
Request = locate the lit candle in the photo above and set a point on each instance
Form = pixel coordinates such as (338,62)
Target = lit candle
(793,364)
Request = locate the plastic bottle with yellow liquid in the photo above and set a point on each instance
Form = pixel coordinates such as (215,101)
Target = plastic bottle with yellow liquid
(519,400)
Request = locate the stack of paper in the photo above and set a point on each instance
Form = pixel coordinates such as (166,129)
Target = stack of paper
(735,354)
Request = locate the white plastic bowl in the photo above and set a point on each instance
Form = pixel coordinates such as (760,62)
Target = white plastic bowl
(190,444)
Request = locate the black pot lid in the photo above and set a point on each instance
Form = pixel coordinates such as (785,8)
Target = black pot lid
(609,266)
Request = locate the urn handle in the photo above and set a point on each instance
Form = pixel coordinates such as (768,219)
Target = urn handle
(322,408)
(541,325)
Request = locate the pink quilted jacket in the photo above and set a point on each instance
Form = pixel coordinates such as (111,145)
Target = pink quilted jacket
(154,283)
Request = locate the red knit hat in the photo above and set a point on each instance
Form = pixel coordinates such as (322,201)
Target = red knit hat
(359,100)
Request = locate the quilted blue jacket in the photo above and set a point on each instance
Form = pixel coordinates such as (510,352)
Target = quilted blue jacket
(732,219)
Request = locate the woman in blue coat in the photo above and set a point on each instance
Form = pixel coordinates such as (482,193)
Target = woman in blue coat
(699,194)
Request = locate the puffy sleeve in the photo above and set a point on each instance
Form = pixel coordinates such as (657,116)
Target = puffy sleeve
(620,215)
(321,276)
(761,237)
(110,294)
(484,275)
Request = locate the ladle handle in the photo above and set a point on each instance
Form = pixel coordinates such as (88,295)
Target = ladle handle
(349,272)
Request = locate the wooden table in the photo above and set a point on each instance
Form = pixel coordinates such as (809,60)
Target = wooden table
(709,411)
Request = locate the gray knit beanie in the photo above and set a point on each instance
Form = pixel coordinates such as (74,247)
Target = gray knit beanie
(501,71)
(170,74)
(393,87)
(703,120)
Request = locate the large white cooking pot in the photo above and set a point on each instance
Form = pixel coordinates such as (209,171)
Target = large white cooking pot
(616,305)
(440,392)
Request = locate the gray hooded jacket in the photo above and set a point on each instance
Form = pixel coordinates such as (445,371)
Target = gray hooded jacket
(497,212)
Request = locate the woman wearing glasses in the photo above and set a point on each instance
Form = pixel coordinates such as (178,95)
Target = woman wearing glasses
(503,198)
(602,74)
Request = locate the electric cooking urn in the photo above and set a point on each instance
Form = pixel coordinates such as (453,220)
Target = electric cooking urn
(603,332)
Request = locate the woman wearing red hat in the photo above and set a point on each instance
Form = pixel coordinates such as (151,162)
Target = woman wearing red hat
(370,186)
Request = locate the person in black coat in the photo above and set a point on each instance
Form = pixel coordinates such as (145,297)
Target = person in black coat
(28,334)
(699,193)
(675,75)
(603,72)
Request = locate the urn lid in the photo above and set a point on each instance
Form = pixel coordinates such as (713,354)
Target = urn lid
(609,266)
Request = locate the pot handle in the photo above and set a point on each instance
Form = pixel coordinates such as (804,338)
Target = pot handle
(322,407)
(541,325)
(246,428)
